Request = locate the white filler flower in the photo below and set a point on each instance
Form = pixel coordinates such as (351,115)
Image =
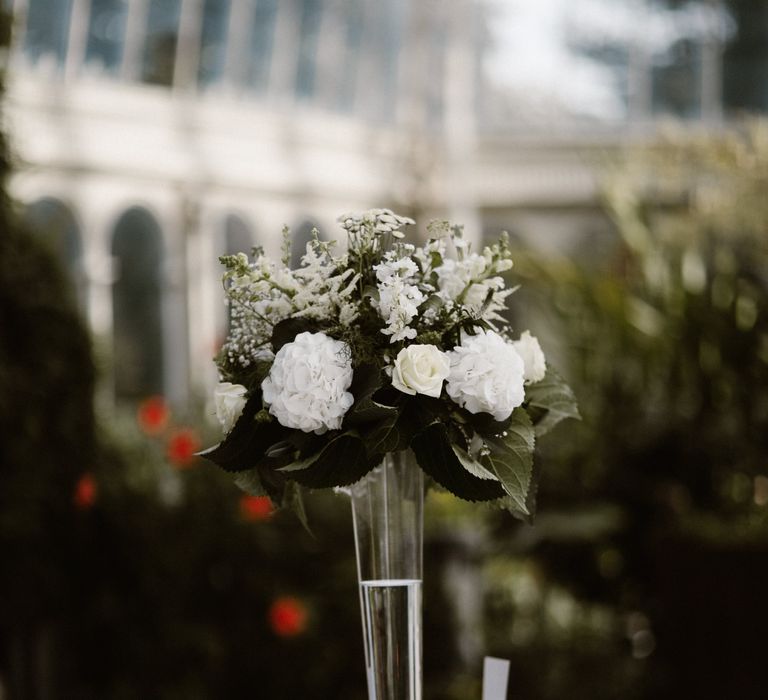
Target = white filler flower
(229,400)
(420,369)
(307,384)
(533,358)
(486,375)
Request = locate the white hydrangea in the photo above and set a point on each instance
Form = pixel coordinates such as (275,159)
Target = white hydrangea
(307,385)
(533,358)
(229,401)
(487,375)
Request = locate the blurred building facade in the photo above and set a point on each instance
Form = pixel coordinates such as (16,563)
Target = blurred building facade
(153,136)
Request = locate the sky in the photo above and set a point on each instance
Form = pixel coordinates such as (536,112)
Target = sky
(531,52)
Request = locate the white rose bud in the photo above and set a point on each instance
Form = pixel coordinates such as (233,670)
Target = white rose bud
(420,369)
(229,400)
(533,358)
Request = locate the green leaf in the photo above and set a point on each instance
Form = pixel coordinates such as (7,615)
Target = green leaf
(365,383)
(550,401)
(472,465)
(248,441)
(371,291)
(286,331)
(250,482)
(511,460)
(485,423)
(392,434)
(437,458)
(486,302)
(433,301)
(342,461)
(293,499)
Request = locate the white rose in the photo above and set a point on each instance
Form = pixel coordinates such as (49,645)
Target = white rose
(533,358)
(486,375)
(420,369)
(229,400)
(307,384)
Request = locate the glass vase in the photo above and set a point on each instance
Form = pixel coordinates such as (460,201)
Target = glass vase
(387,513)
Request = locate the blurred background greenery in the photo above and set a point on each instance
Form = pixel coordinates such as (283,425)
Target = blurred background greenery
(131,570)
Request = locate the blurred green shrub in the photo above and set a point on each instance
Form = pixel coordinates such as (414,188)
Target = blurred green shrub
(649,552)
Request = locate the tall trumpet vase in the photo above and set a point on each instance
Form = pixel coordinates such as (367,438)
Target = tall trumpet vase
(387,514)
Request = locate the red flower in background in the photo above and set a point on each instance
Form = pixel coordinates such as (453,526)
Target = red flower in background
(288,617)
(153,415)
(255,508)
(85,492)
(181,447)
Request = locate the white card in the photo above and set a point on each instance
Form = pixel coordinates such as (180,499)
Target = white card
(495,678)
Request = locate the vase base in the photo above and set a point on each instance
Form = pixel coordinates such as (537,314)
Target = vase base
(392,611)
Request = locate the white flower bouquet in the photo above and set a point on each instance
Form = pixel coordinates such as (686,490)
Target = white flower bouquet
(381,348)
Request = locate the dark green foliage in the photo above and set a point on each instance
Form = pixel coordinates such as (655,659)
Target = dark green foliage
(47,440)
(653,518)
(436,457)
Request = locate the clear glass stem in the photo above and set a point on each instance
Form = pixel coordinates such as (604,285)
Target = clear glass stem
(387,513)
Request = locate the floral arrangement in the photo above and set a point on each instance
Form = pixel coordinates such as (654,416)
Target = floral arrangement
(381,348)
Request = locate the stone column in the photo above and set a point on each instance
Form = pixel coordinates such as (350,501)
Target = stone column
(77,38)
(285,54)
(331,52)
(238,33)
(177,227)
(187,60)
(135,37)
(712,67)
(460,121)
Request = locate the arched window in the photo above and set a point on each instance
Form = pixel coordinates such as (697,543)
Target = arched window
(301,236)
(237,236)
(137,305)
(53,222)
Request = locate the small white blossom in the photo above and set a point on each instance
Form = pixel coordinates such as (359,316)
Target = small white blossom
(379,220)
(486,375)
(467,282)
(398,299)
(420,369)
(307,385)
(400,267)
(533,358)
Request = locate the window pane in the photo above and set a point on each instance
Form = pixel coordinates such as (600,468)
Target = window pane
(213,43)
(261,44)
(106,35)
(310,26)
(676,79)
(53,222)
(136,304)
(161,38)
(47,29)
(353,35)
(237,236)
(301,236)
